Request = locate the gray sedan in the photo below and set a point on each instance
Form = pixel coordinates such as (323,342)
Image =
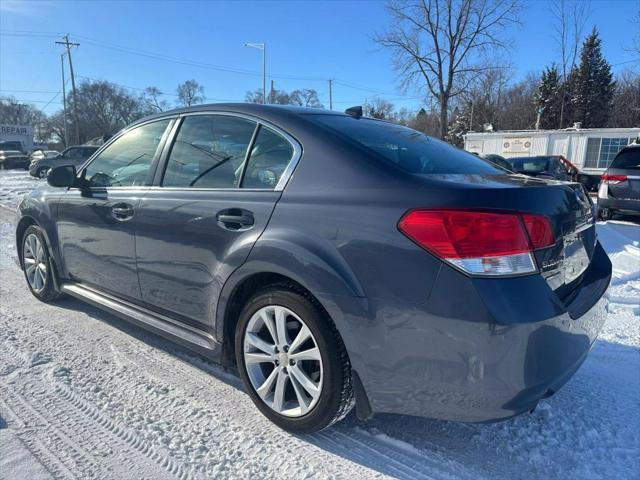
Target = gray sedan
(75,156)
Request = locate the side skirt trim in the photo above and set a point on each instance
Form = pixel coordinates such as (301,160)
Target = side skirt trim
(186,335)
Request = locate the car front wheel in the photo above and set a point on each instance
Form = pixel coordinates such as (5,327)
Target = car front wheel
(42,172)
(36,265)
(292,360)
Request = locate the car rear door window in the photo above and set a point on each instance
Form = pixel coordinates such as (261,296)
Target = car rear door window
(126,162)
(270,156)
(209,152)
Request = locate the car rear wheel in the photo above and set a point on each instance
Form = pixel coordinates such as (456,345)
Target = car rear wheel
(36,265)
(292,360)
(42,172)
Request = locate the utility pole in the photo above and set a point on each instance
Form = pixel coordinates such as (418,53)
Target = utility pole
(69,44)
(330,94)
(271,92)
(64,103)
(264,73)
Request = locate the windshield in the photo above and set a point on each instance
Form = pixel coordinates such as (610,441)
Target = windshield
(407,148)
(530,165)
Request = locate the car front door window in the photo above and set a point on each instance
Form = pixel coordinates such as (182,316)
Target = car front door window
(126,162)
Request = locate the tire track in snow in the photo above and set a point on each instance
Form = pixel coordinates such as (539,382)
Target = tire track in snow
(31,440)
(84,435)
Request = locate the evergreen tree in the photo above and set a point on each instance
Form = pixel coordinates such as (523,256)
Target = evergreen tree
(548,98)
(460,126)
(592,94)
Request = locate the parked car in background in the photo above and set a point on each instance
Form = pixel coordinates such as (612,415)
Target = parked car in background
(75,156)
(619,190)
(382,268)
(551,167)
(39,154)
(498,160)
(13,159)
(11,145)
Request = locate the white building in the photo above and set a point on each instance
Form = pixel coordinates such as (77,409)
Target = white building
(589,149)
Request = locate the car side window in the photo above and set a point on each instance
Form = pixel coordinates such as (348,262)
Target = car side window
(209,152)
(73,153)
(127,160)
(270,155)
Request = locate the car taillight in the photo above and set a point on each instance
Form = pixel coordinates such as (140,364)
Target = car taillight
(613,179)
(480,242)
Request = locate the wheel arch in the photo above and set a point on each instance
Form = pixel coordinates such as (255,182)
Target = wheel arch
(24,223)
(313,266)
(244,288)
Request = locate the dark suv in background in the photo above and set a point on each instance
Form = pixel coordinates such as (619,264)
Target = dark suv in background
(75,156)
(619,190)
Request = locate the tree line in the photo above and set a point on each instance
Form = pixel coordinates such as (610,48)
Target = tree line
(103,108)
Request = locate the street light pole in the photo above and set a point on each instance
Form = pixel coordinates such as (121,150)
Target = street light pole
(263,47)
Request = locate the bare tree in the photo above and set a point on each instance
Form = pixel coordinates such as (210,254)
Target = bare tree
(307,97)
(380,108)
(569,17)
(104,108)
(442,44)
(151,97)
(190,93)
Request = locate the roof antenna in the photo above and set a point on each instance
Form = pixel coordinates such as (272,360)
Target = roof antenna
(355,112)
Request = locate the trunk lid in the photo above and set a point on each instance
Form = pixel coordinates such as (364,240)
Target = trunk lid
(567,206)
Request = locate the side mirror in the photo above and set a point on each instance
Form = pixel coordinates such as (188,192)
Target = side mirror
(62,176)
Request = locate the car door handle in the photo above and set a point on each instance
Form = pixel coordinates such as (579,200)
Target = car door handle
(235,219)
(122,211)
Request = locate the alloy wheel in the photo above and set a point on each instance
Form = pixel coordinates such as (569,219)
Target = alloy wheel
(35,263)
(283,361)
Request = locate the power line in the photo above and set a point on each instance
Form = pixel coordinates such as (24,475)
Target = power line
(36,101)
(203,65)
(29,91)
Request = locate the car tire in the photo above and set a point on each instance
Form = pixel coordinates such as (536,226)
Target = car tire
(298,411)
(42,172)
(37,265)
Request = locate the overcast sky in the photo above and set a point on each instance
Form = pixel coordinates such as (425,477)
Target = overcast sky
(307,42)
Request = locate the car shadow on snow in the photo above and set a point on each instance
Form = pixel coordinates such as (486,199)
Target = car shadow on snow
(585,430)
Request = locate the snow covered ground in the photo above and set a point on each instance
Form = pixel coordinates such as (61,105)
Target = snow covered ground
(85,395)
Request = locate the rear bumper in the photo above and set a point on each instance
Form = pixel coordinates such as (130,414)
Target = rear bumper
(628,205)
(475,369)
(15,163)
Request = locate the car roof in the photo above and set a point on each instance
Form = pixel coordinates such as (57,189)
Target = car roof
(257,109)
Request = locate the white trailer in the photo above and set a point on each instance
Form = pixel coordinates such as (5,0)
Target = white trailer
(589,149)
(18,133)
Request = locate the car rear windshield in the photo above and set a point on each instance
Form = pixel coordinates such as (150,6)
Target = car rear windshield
(627,160)
(530,164)
(407,148)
